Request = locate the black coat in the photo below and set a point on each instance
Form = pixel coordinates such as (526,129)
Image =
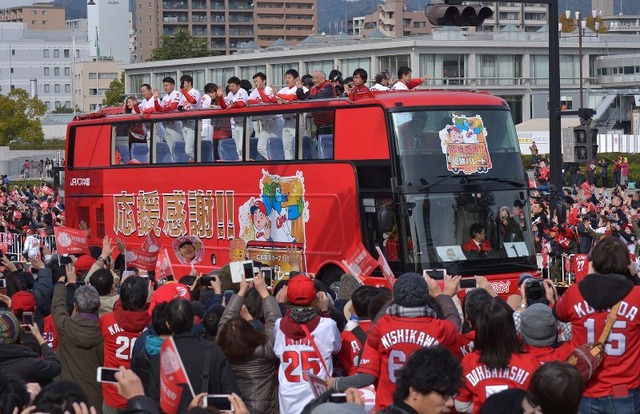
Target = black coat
(22,361)
(192,352)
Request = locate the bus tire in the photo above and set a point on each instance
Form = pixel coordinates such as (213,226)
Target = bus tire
(330,274)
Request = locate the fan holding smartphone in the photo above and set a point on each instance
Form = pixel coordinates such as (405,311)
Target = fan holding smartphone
(250,351)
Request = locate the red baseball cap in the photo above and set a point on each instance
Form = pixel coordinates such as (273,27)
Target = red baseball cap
(168,292)
(301,290)
(23,301)
(83,264)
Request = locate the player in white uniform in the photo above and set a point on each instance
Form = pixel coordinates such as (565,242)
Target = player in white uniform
(268,126)
(288,94)
(170,131)
(236,98)
(294,348)
(189,99)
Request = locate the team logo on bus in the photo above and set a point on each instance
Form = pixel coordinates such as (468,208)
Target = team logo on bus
(464,142)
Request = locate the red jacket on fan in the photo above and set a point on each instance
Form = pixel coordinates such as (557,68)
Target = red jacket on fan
(120,329)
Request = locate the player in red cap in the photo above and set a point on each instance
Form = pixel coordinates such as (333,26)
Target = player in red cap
(304,340)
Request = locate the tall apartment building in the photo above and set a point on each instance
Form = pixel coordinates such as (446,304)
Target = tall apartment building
(108,29)
(526,17)
(392,20)
(43,16)
(226,24)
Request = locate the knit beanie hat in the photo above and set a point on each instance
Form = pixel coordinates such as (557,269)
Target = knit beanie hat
(9,328)
(411,291)
(538,326)
(348,284)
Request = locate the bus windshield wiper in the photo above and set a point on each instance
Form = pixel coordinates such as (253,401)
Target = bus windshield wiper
(496,179)
(442,178)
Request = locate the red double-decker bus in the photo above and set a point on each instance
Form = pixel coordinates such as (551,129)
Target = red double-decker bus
(410,172)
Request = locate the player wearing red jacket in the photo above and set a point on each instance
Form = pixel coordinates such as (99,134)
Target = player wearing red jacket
(359,90)
(615,386)
(120,329)
(498,361)
(409,324)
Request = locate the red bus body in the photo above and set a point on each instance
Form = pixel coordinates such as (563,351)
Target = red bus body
(216,200)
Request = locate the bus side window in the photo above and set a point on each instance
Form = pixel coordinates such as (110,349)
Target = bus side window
(224,145)
(121,138)
(191,139)
(323,129)
(206,140)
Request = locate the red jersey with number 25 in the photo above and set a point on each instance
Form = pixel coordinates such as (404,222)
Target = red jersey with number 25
(391,342)
(480,381)
(118,346)
(297,356)
(620,365)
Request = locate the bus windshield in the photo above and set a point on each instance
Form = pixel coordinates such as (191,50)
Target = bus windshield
(467,232)
(435,144)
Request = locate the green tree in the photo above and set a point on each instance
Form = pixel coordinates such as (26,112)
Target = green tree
(179,46)
(115,94)
(20,118)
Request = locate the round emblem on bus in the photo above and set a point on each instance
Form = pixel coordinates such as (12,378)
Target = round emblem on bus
(63,239)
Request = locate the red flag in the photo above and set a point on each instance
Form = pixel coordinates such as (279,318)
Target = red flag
(173,377)
(361,263)
(71,241)
(151,243)
(386,270)
(145,257)
(141,259)
(163,265)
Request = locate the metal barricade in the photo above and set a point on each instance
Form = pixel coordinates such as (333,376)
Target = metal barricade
(13,245)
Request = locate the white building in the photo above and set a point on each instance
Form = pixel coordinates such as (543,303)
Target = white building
(513,65)
(44,55)
(109,28)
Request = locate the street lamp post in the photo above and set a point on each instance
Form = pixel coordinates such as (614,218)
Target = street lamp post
(582,28)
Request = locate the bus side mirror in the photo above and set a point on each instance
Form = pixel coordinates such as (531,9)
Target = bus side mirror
(385,220)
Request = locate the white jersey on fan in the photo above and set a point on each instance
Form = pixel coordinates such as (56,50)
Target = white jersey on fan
(297,356)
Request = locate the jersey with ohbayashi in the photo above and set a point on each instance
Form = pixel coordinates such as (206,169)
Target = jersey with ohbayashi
(297,356)
(479,381)
(620,365)
(118,346)
(391,342)
(184,102)
(350,349)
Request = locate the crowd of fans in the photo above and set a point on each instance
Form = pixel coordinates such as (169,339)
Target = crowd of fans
(419,347)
